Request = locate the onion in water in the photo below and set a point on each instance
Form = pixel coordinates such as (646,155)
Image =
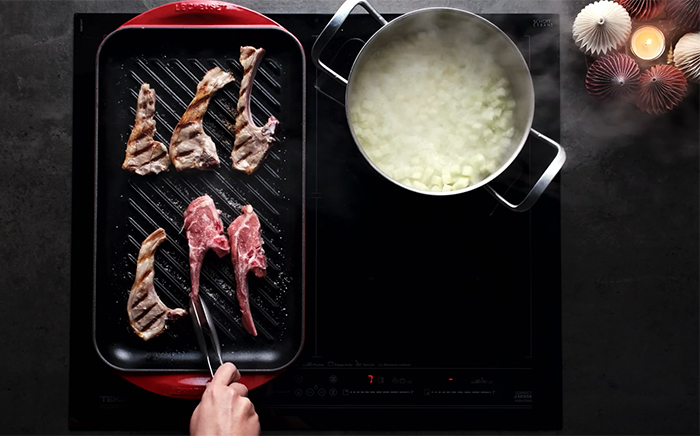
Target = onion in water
(432,112)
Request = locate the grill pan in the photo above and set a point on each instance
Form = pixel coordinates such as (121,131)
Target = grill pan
(171,47)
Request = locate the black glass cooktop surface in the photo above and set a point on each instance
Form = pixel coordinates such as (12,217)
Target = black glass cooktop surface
(422,312)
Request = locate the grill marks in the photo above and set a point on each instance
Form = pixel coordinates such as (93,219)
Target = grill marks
(145,155)
(148,316)
(190,147)
(145,314)
(252,143)
(186,153)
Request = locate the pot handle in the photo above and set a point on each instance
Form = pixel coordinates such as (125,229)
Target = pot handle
(541,184)
(332,27)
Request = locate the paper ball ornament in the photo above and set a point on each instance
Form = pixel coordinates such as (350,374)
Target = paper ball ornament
(687,56)
(613,76)
(685,14)
(642,10)
(601,26)
(661,88)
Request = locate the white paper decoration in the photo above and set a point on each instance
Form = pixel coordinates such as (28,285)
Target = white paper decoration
(687,56)
(601,27)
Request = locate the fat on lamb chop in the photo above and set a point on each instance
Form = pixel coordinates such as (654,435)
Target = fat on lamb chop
(204,231)
(190,147)
(144,154)
(252,143)
(247,255)
(148,316)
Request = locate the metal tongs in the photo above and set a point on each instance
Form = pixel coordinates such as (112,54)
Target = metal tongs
(202,321)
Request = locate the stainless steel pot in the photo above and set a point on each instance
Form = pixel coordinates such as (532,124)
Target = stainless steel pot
(507,55)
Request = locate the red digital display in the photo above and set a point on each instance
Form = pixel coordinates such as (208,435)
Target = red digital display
(371,378)
(450,379)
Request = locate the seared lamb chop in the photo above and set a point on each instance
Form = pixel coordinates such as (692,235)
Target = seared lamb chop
(190,147)
(143,154)
(246,254)
(204,231)
(252,143)
(148,316)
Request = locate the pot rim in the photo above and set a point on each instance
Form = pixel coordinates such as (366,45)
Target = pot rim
(530,86)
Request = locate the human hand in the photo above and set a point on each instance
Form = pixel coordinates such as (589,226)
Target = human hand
(225,409)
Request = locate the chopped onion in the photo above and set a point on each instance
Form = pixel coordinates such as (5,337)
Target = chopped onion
(433,112)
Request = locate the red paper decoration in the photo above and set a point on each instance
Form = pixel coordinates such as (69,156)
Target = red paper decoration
(613,76)
(685,14)
(642,10)
(661,88)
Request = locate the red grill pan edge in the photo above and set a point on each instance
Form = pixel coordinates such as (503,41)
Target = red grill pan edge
(188,382)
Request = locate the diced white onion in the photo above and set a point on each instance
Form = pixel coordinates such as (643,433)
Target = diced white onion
(434,111)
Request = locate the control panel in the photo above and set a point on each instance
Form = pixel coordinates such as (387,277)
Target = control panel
(355,386)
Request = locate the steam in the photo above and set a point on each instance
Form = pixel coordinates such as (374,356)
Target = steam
(612,135)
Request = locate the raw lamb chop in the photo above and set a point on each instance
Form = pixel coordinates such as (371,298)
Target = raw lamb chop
(252,143)
(148,316)
(190,147)
(246,254)
(143,154)
(204,231)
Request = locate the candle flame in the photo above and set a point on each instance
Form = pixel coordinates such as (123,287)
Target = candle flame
(648,39)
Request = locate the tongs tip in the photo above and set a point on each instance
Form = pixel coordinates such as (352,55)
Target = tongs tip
(202,322)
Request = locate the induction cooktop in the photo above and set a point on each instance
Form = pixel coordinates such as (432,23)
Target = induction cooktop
(422,312)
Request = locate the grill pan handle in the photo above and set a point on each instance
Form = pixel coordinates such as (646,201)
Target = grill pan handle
(332,27)
(187,386)
(544,181)
(193,13)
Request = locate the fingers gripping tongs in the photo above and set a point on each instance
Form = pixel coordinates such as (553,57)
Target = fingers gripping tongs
(203,328)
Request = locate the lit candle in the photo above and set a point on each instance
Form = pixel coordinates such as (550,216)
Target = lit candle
(648,43)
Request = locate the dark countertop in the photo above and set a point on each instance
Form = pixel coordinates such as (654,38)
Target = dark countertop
(630,221)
